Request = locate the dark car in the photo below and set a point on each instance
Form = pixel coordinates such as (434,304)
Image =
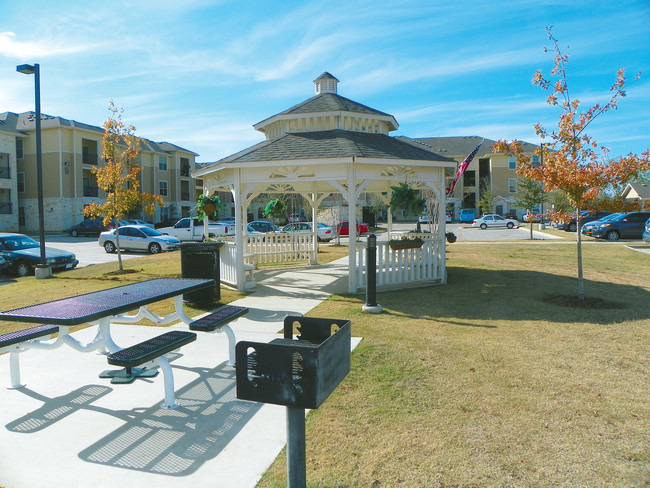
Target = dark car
(24,253)
(169,222)
(626,226)
(89,227)
(585,217)
(263,226)
(4,265)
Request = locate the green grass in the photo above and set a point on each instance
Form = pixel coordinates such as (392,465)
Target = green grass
(480,383)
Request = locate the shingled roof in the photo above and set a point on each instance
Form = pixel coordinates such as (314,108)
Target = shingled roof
(332,144)
(460,146)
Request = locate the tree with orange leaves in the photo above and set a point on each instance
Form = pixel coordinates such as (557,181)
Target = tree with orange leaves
(575,164)
(119,178)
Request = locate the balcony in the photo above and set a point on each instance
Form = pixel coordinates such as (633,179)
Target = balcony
(5,208)
(91,191)
(185,197)
(90,158)
(5,172)
(185,170)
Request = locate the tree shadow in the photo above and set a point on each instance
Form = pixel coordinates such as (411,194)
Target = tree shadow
(480,294)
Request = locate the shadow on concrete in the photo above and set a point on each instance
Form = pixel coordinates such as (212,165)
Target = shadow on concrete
(178,442)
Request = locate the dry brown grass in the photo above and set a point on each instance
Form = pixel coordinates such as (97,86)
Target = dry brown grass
(480,383)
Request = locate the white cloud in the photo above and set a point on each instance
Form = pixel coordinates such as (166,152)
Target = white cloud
(13,48)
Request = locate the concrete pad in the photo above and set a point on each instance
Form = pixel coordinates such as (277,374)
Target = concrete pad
(68,428)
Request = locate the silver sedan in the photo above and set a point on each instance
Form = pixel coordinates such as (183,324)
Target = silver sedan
(138,238)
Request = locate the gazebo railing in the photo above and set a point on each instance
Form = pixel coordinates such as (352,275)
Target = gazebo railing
(403,268)
(264,249)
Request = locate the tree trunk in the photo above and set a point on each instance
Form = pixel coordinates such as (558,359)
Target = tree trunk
(581,283)
(119,251)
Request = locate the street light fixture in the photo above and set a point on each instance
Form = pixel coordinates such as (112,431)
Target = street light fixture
(42,270)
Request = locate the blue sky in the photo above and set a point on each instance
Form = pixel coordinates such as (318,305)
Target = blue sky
(200,73)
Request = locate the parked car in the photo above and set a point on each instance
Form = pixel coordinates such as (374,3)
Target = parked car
(88,227)
(627,226)
(494,220)
(646,232)
(531,217)
(585,217)
(588,228)
(168,222)
(343,228)
(424,218)
(325,233)
(4,265)
(136,222)
(467,215)
(23,254)
(138,238)
(263,226)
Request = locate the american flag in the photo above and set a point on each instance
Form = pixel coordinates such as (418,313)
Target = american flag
(461,169)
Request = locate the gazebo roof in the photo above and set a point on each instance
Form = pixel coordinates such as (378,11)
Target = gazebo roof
(331,144)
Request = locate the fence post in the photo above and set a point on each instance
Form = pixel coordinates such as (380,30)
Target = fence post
(371,305)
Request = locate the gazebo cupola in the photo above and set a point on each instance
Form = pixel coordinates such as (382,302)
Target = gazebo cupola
(325,83)
(327,111)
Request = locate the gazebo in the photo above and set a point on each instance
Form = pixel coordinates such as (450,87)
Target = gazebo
(329,145)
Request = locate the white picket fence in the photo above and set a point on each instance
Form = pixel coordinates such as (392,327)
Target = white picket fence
(403,268)
(265,249)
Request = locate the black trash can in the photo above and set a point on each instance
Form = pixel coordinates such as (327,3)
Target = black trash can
(201,260)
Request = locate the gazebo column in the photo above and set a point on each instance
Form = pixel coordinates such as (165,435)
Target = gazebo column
(239,198)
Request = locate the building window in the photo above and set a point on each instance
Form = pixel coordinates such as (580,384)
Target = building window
(185,167)
(5,169)
(512,163)
(89,154)
(90,190)
(5,201)
(185,190)
(512,185)
(162,188)
(21,216)
(20,182)
(162,163)
(19,149)
(469,178)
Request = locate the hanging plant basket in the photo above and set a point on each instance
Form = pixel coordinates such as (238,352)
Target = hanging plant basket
(405,244)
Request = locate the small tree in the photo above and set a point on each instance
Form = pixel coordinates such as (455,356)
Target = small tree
(576,166)
(487,202)
(529,194)
(119,178)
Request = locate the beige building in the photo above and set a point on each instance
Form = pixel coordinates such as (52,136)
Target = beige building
(496,171)
(70,151)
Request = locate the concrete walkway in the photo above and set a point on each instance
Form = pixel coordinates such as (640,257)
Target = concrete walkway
(68,428)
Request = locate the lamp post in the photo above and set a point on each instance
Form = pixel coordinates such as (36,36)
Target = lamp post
(42,269)
(541,163)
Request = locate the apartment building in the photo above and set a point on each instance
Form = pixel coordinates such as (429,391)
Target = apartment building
(496,172)
(70,150)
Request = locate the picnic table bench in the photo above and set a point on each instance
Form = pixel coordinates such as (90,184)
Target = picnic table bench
(99,308)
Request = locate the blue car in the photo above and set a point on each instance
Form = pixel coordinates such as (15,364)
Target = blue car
(646,232)
(24,253)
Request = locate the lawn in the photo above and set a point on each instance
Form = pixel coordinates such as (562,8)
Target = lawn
(483,383)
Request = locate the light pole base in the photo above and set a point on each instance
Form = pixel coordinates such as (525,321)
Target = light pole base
(541,226)
(43,271)
(372,308)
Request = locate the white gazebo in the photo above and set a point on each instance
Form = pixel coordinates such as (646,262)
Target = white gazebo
(329,145)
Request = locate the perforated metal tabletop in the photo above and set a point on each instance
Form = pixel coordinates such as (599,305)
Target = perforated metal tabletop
(95,305)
